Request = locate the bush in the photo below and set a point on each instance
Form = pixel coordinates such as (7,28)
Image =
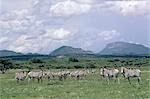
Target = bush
(110,60)
(122,61)
(116,60)
(78,66)
(73,60)
(5,64)
(90,65)
(35,60)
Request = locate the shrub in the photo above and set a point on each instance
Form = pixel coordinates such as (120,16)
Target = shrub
(116,60)
(90,65)
(122,61)
(5,64)
(73,60)
(35,60)
(78,66)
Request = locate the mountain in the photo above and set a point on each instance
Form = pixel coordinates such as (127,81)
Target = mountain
(9,53)
(68,50)
(124,48)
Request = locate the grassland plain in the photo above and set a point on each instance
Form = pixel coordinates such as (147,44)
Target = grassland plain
(92,87)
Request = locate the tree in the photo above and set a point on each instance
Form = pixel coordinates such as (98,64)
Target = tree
(5,64)
(73,59)
(78,66)
(90,65)
(36,60)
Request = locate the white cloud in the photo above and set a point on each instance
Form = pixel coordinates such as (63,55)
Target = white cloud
(40,41)
(57,34)
(19,21)
(127,7)
(68,8)
(85,1)
(108,35)
(27,33)
(25,45)
(21,40)
(3,39)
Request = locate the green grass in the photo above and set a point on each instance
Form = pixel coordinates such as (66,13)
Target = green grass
(92,87)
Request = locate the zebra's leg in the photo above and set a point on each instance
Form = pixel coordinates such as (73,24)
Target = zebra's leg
(38,80)
(17,80)
(60,78)
(48,78)
(29,79)
(65,77)
(78,77)
(33,79)
(118,80)
(129,80)
(41,79)
(108,80)
(115,78)
(53,77)
(139,80)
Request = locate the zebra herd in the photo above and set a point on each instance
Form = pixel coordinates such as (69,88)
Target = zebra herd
(104,72)
(39,75)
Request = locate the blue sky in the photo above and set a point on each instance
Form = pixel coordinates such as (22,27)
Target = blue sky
(40,26)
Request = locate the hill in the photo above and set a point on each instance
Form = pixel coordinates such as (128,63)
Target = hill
(68,50)
(124,48)
(9,53)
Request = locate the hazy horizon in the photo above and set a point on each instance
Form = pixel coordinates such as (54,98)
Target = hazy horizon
(40,26)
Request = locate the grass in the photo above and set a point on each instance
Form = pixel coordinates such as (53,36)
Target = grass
(92,87)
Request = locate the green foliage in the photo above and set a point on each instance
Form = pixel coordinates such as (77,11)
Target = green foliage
(78,66)
(90,65)
(71,59)
(5,64)
(84,62)
(36,60)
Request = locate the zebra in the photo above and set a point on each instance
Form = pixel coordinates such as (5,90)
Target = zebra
(109,73)
(35,74)
(130,72)
(20,76)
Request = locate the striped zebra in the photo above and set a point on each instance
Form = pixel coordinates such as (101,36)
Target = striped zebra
(35,75)
(131,73)
(109,73)
(20,76)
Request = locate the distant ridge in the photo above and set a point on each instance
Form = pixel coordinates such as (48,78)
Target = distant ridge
(124,48)
(9,53)
(114,48)
(68,50)
(4,53)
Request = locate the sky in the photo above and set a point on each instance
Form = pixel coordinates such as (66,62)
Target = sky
(40,26)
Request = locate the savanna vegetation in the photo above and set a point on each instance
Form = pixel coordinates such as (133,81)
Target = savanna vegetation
(93,86)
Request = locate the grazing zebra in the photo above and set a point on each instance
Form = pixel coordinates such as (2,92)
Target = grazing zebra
(20,76)
(79,73)
(35,75)
(128,73)
(65,74)
(82,73)
(109,73)
(48,74)
(61,75)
